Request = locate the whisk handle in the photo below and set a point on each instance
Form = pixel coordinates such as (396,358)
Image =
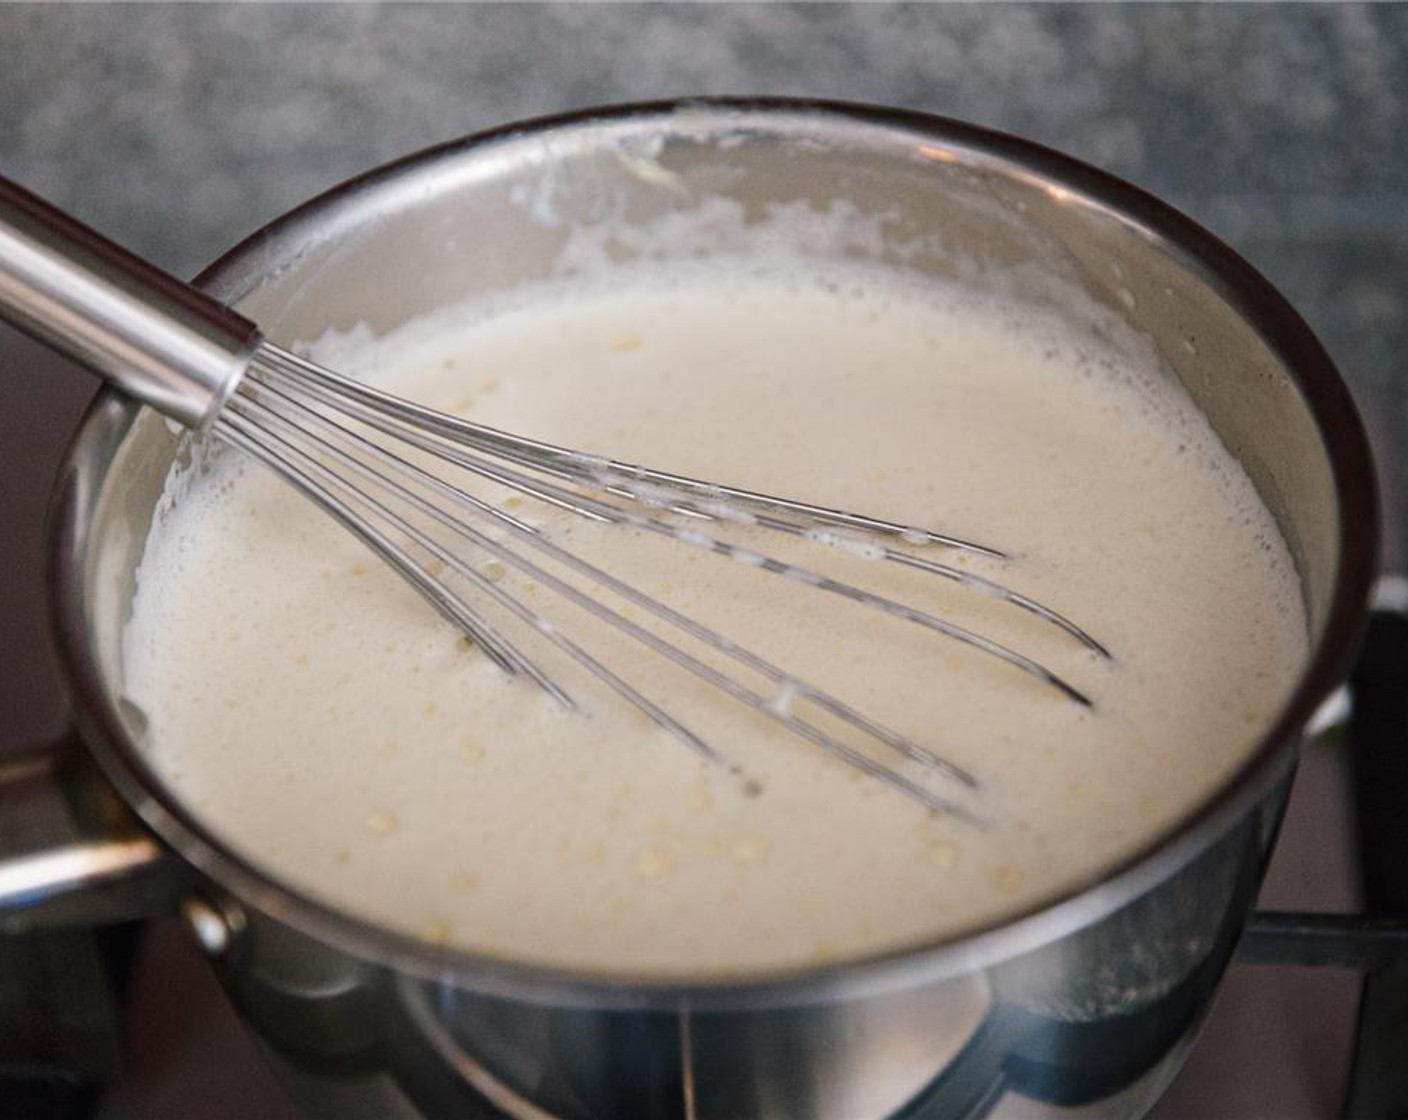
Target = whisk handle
(155,337)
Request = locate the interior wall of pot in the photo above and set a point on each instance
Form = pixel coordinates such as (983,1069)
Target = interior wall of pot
(464,228)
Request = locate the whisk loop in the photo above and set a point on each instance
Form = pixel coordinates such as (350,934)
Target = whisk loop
(315,428)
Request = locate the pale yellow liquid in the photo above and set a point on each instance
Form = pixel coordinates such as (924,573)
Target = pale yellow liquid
(329,726)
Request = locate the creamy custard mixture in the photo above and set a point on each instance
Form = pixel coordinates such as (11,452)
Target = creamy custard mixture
(333,729)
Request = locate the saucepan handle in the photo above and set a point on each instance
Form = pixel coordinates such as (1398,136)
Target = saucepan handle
(72,854)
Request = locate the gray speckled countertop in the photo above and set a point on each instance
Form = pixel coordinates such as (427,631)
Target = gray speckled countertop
(179,129)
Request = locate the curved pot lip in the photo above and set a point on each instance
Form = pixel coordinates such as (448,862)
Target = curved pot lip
(111,417)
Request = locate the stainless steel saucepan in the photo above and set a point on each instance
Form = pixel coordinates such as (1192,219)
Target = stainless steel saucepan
(1082,1006)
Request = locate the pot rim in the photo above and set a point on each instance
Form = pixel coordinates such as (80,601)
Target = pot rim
(111,417)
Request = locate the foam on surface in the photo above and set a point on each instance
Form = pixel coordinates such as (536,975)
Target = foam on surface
(317,715)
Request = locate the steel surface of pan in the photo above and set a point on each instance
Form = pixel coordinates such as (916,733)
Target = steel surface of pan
(1084,1003)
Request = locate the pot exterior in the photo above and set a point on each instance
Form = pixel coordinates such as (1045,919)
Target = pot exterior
(1093,1024)
(1083,1004)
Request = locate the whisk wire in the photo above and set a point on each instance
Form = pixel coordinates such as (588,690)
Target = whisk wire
(327,387)
(798,689)
(290,412)
(596,470)
(304,477)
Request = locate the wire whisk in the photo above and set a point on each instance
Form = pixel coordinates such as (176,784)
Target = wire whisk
(359,453)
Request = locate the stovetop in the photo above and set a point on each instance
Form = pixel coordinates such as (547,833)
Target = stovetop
(1281,128)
